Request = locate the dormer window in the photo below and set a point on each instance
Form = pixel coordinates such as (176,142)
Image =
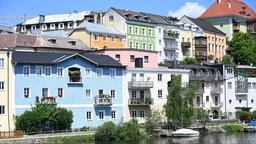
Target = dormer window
(52,26)
(70,24)
(73,43)
(44,27)
(61,25)
(33,27)
(111,18)
(129,16)
(53,41)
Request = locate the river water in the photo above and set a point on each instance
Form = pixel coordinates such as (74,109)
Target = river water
(215,138)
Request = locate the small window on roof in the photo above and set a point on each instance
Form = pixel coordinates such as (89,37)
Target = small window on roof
(53,41)
(73,43)
(111,18)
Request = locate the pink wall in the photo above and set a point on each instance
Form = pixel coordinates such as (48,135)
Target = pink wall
(126,53)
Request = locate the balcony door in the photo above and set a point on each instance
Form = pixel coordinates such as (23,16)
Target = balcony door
(142,95)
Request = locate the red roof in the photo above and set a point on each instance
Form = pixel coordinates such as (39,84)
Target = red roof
(221,8)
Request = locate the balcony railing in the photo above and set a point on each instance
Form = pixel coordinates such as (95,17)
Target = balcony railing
(206,77)
(216,91)
(102,101)
(139,101)
(75,79)
(185,45)
(171,47)
(200,91)
(216,104)
(141,84)
(46,100)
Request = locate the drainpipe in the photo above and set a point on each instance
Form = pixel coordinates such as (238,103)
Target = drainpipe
(8,92)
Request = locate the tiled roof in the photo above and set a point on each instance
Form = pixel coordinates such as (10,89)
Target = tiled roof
(160,19)
(76,16)
(6,29)
(53,58)
(206,26)
(221,8)
(13,40)
(98,28)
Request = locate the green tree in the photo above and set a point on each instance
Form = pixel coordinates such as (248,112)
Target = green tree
(44,116)
(189,60)
(153,120)
(106,132)
(254,115)
(203,117)
(211,57)
(243,48)
(226,59)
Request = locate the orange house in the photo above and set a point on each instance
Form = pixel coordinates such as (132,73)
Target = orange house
(99,36)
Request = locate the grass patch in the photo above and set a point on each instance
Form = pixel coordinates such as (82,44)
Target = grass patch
(72,139)
(232,128)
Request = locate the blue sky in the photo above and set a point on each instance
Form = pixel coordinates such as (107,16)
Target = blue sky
(9,9)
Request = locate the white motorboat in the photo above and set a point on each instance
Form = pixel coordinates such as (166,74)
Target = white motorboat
(185,133)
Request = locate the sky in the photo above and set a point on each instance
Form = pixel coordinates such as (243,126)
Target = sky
(11,9)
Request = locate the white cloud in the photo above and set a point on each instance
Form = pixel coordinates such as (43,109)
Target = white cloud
(190,9)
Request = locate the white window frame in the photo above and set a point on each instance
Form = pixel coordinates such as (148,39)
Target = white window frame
(118,57)
(159,77)
(48,71)
(2,63)
(88,93)
(2,85)
(113,114)
(160,93)
(99,72)
(229,85)
(26,92)
(131,44)
(142,114)
(150,46)
(89,115)
(143,31)
(39,70)
(144,46)
(33,27)
(134,113)
(130,30)
(44,26)
(137,31)
(52,26)
(101,114)
(113,38)
(60,71)
(111,18)
(96,37)
(112,73)
(137,45)
(23,28)
(60,92)
(113,93)
(88,72)
(2,110)
(150,32)
(61,26)
(26,70)
(70,24)
(104,37)
(45,93)
(146,59)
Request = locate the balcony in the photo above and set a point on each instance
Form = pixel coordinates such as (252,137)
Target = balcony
(205,77)
(141,84)
(201,42)
(200,91)
(199,105)
(171,34)
(185,45)
(140,102)
(171,47)
(216,104)
(75,79)
(216,91)
(46,100)
(236,28)
(102,101)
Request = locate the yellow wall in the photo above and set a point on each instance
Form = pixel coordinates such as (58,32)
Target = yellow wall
(83,35)
(187,34)
(6,95)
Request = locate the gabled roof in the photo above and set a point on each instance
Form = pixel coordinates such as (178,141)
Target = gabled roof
(54,58)
(98,28)
(68,17)
(6,29)
(160,19)
(206,26)
(134,16)
(222,8)
(14,40)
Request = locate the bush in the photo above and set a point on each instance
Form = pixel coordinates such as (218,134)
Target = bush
(106,132)
(243,116)
(232,128)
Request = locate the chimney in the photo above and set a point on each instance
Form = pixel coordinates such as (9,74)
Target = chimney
(41,18)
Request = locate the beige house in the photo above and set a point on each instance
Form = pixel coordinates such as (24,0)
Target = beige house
(6,91)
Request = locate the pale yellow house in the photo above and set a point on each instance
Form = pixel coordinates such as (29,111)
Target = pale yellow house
(6,92)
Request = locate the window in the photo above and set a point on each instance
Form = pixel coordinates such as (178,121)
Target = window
(101,115)
(150,46)
(130,29)
(44,27)
(159,30)
(134,113)
(229,71)
(131,44)
(88,93)
(1,85)
(113,38)
(159,77)
(1,62)
(48,71)
(2,109)
(60,92)
(230,85)
(61,25)
(33,27)
(39,70)
(70,24)
(160,93)
(133,94)
(136,30)
(26,70)
(44,92)
(207,98)
(52,26)
(112,73)
(23,28)
(113,93)
(142,113)
(141,77)
(96,37)
(143,31)
(149,32)
(26,92)
(249,85)
(99,73)
(104,38)
(146,59)
(120,39)
(221,23)
(118,57)
(209,47)
(111,18)
(160,41)
(254,85)
(113,114)
(134,77)
(144,46)
(137,45)
(87,72)
(132,58)
(89,115)
(60,72)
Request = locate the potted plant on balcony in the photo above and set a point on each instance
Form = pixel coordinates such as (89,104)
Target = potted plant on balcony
(148,100)
(74,75)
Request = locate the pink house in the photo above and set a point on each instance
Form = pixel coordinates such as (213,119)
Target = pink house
(132,57)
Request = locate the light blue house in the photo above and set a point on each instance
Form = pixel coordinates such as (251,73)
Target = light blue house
(89,85)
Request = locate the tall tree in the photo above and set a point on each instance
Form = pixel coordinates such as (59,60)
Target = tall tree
(226,59)
(243,48)
(189,60)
